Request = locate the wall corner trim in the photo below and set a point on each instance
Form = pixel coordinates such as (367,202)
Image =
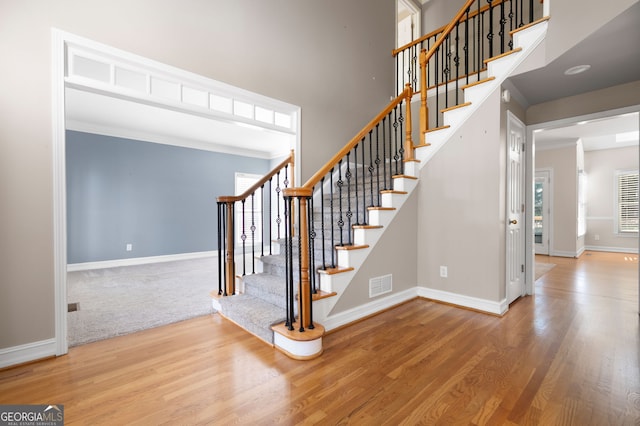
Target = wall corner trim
(28,352)
(483,305)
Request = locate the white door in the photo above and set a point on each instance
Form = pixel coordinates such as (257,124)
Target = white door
(515,208)
(541,211)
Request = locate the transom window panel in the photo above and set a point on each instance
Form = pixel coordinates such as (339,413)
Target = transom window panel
(626,185)
(113,72)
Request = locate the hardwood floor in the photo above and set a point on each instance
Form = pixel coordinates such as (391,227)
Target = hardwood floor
(569,355)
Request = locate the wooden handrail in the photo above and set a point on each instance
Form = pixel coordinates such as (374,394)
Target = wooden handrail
(425,37)
(233,198)
(313,180)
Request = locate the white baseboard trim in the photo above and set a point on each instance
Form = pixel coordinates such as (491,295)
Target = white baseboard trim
(559,253)
(73,267)
(483,305)
(359,312)
(28,352)
(612,249)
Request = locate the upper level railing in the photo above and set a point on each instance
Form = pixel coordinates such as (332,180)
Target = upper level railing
(250,222)
(338,197)
(456,53)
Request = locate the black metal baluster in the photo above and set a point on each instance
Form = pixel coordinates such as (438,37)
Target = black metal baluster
(301,305)
(322,242)
(480,43)
(364,184)
(427,65)
(286,177)
(312,238)
(395,139)
(446,72)
(340,184)
(466,46)
(333,240)
(387,158)
(456,61)
(401,141)
(503,21)
(243,238)
(490,33)
(288,255)
(530,11)
(355,168)
(371,168)
(415,67)
(511,23)
(253,234)
(220,247)
(262,209)
(378,160)
(270,213)
(436,86)
(384,154)
(278,191)
(349,212)
(404,71)
(521,23)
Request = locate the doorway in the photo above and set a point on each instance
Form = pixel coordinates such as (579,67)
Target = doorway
(83,68)
(542,211)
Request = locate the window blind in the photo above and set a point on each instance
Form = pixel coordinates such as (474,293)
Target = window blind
(627,201)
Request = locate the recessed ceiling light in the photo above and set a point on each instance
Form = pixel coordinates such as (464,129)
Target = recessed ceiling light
(577,69)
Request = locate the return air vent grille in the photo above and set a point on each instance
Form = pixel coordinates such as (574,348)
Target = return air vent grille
(380,285)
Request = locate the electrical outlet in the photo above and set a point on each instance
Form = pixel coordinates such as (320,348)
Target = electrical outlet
(443,272)
(596,237)
(129,247)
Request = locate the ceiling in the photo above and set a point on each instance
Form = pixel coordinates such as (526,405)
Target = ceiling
(613,52)
(595,134)
(97,113)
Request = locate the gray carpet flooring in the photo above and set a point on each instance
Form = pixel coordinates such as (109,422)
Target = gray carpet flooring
(117,301)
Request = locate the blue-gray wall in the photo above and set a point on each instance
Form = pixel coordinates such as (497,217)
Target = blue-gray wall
(160,198)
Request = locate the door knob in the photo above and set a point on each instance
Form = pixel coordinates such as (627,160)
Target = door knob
(513,222)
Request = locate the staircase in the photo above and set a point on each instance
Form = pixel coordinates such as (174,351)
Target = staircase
(262,303)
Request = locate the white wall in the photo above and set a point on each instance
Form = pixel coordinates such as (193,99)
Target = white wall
(461,210)
(331,57)
(601,166)
(563,163)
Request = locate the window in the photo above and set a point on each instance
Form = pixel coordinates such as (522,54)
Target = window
(626,188)
(248,217)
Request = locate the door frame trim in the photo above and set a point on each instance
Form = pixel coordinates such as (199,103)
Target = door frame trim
(530,176)
(511,118)
(549,216)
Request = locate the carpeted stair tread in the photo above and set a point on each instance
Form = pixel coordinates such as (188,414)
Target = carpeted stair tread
(268,287)
(253,314)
